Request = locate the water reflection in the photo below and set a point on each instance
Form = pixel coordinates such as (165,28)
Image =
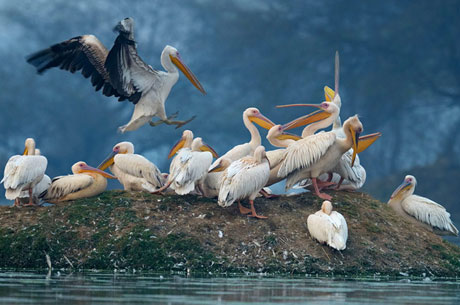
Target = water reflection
(100,288)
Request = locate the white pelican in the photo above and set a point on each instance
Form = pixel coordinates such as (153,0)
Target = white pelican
(421,210)
(39,188)
(250,115)
(120,72)
(86,181)
(328,227)
(318,154)
(134,171)
(23,173)
(189,168)
(244,178)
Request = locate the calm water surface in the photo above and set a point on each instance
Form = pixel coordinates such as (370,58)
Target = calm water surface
(98,288)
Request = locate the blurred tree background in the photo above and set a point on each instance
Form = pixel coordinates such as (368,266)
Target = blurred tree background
(399,71)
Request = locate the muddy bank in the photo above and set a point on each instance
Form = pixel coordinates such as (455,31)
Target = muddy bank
(122,230)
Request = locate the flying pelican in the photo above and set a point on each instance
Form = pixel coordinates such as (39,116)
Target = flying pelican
(421,210)
(86,181)
(318,154)
(23,173)
(328,227)
(39,188)
(189,168)
(250,115)
(244,178)
(121,72)
(134,171)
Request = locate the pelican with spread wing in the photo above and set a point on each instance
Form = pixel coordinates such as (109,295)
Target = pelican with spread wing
(121,72)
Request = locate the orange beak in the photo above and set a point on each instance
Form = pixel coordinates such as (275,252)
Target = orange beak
(187,72)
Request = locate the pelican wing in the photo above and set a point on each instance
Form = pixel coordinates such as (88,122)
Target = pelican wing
(129,74)
(305,152)
(355,174)
(85,53)
(65,185)
(138,166)
(429,212)
(21,170)
(340,235)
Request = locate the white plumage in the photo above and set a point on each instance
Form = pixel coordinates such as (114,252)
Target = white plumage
(134,171)
(23,172)
(328,227)
(244,178)
(425,211)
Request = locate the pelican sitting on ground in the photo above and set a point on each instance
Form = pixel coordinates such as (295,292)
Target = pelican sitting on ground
(318,154)
(244,178)
(134,171)
(86,181)
(39,188)
(23,173)
(120,72)
(328,227)
(421,210)
(250,115)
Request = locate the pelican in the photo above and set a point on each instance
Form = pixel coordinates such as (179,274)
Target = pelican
(189,168)
(318,154)
(86,181)
(121,72)
(328,227)
(134,171)
(250,115)
(421,210)
(244,178)
(23,173)
(211,184)
(39,188)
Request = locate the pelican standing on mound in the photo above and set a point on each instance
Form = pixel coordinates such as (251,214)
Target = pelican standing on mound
(121,72)
(86,181)
(328,227)
(23,172)
(134,171)
(39,188)
(250,116)
(421,210)
(244,178)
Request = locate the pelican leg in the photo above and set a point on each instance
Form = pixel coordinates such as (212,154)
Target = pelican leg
(323,184)
(161,189)
(339,184)
(329,177)
(168,121)
(253,210)
(31,202)
(17,202)
(318,193)
(267,195)
(243,210)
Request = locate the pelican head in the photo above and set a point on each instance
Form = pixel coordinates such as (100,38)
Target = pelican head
(125,26)
(120,148)
(326,110)
(331,96)
(253,114)
(199,145)
(81,167)
(29,147)
(354,126)
(172,53)
(406,188)
(184,141)
(326,207)
(220,166)
(277,133)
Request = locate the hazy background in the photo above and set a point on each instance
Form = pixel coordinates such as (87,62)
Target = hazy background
(400,71)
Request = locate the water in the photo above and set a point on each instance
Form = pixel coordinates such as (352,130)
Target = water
(102,288)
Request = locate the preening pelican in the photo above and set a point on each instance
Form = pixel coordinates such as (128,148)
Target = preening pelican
(23,173)
(250,116)
(328,227)
(318,154)
(244,178)
(421,210)
(120,72)
(39,188)
(134,171)
(86,181)
(189,168)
